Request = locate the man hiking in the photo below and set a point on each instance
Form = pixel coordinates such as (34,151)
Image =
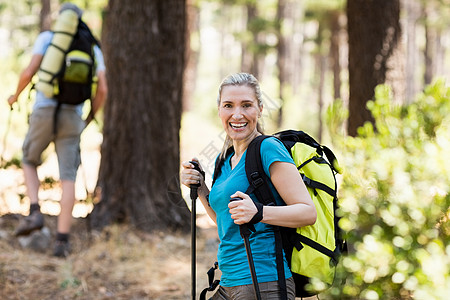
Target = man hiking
(69,125)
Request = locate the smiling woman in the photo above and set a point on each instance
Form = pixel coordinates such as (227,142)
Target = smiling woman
(240,107)
(239,111)
(243,88)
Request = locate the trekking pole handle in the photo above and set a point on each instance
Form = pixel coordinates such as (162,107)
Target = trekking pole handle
(245,229)
(194,187)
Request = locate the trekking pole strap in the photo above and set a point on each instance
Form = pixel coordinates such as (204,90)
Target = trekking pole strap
(259,214)
(212,283)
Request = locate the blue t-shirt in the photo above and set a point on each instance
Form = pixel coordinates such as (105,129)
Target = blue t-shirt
(231,254)
(40,47)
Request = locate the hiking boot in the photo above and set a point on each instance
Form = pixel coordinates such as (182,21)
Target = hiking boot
(30,223)
(61,249)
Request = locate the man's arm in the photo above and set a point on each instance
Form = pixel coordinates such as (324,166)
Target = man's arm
(26,76)
(100,95)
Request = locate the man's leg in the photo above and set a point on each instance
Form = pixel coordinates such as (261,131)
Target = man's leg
(32,182)
(62,245)
(38,138)
(34,220)
(67,146)
(67,203)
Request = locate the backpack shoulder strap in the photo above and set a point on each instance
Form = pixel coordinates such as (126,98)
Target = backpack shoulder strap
(254,170)
(259,185)
(219,163)
(83,26)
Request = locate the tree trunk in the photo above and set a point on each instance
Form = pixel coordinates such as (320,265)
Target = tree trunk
(335,54)
(432,43)
(227,16)
(192,54)
(297,52)
(440,53)
(249,60)
(45,21)
(320,73)
(283,74)
(373,37)
(144,54)
(412,9)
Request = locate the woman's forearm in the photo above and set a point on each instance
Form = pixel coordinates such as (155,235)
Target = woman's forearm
(203,193)
(295,215)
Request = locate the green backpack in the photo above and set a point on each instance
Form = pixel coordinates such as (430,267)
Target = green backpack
(312,252)
(76,76)
(68,74)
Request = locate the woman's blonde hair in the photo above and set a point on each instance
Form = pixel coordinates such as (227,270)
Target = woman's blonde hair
(240,79)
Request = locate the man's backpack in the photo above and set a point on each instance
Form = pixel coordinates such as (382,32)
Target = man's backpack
(75,78)
(67,69)
(312,252)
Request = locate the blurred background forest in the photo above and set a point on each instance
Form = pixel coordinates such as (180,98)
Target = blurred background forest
(367,78)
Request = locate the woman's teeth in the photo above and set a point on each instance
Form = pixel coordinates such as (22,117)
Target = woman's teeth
(238,125)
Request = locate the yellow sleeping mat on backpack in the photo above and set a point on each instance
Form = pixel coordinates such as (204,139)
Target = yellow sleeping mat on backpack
(64,30)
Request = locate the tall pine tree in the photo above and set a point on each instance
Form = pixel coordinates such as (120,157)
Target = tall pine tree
(143,44)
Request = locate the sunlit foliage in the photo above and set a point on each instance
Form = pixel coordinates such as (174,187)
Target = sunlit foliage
(395,200)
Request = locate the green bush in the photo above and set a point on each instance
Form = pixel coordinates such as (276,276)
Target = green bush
(395,200)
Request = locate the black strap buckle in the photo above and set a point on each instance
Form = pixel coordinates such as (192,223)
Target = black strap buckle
(306,180)
(213,283)
(257,181)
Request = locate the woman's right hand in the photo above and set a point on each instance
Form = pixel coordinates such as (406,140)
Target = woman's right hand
(189,175)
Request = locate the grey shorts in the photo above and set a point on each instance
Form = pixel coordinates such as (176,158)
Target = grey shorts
(269,291)
(67,139)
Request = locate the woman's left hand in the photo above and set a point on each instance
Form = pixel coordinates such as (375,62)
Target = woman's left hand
(242,211)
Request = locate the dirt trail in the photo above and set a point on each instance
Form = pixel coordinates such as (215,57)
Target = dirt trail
(118,263)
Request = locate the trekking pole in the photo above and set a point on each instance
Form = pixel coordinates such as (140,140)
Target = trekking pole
(8,125)
(246,230)
(194,196)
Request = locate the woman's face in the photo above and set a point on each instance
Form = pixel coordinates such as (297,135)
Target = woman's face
(239,111)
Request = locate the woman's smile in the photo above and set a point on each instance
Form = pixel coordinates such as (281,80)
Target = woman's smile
(238,126)
(239,111)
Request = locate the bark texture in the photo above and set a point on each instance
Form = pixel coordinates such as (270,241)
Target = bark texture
(143,44)
(373,36)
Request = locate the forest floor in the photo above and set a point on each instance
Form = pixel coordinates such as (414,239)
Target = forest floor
(117,263)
